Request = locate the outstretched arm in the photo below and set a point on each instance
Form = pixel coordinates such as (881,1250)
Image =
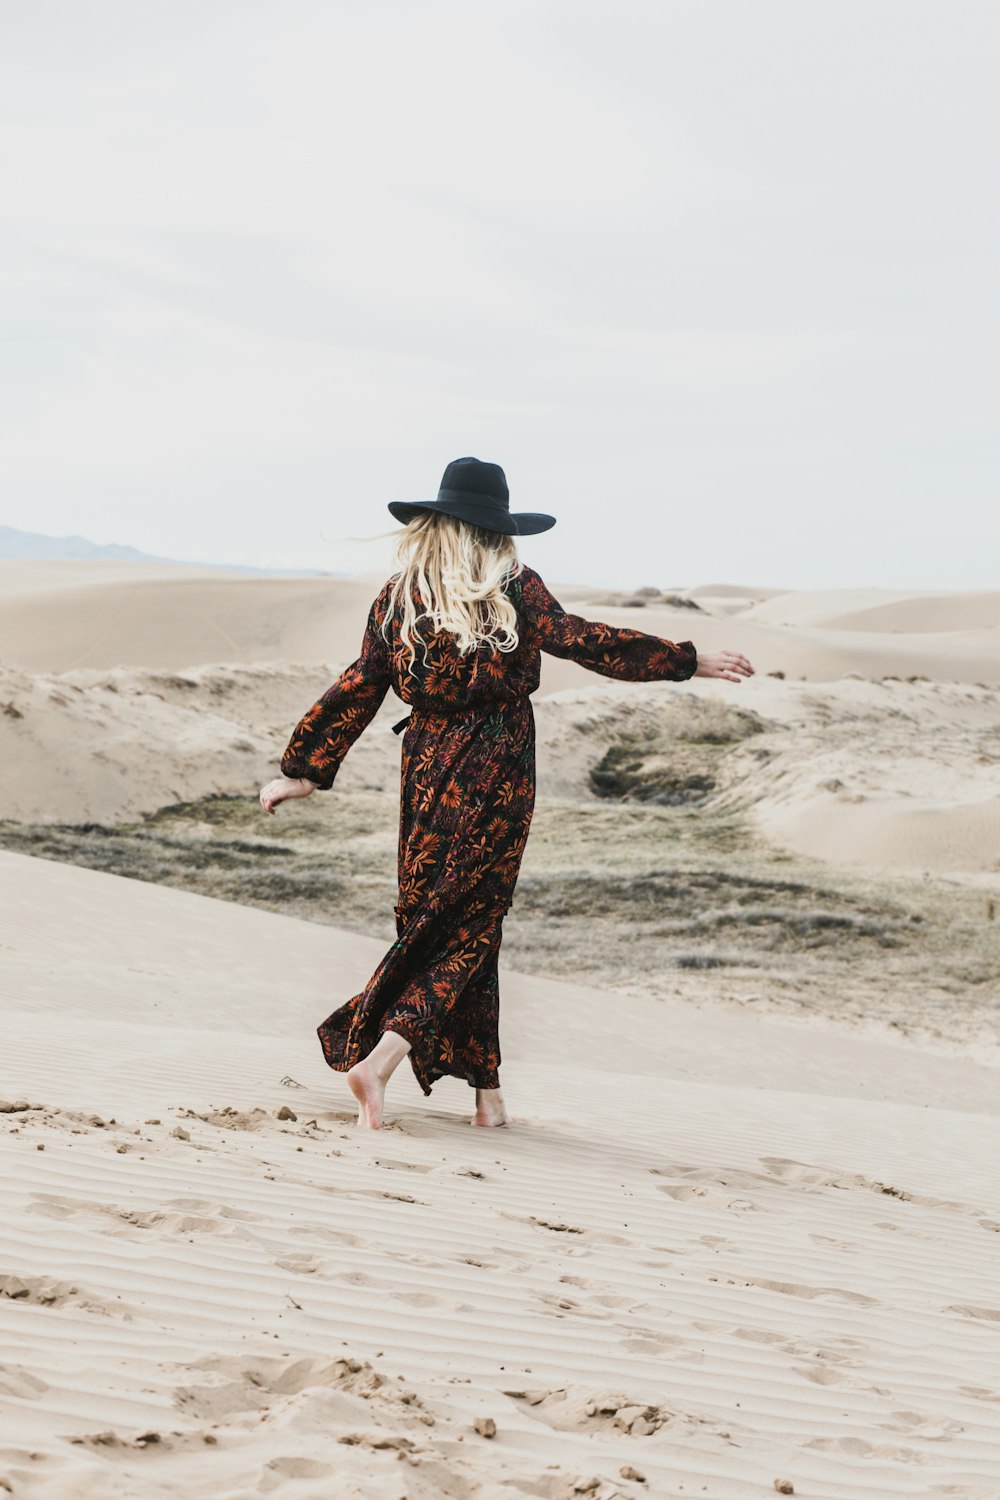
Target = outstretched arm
(612,650)
(325,733)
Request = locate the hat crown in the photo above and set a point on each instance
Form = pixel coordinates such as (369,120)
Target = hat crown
(470,476)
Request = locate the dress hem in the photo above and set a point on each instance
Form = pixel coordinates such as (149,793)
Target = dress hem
(426,1076)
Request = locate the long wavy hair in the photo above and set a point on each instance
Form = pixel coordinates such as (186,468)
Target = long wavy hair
(452,574)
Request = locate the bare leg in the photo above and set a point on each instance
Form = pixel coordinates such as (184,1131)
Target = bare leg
(368,1078)
(490,1108)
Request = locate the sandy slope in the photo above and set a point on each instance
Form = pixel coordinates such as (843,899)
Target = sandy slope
(713,1254)
(887,775)
(57,617)
(148,684)
(883,610)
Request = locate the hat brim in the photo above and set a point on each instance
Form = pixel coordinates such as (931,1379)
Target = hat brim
(489,518)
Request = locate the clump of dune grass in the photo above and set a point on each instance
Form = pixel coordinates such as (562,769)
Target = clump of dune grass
(678,761)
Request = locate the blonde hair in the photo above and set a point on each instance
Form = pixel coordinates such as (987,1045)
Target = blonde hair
(457,572)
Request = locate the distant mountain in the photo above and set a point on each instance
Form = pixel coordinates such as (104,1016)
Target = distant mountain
(34,546)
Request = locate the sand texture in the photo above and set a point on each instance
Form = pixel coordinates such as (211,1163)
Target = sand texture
(723,1257)
(742,1236)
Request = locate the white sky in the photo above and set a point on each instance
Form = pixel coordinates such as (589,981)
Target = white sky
(715,282)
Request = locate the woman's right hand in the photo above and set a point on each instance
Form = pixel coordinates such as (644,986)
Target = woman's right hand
(729,665)
(282,789)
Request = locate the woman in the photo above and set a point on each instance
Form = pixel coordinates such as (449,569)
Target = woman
(457,633)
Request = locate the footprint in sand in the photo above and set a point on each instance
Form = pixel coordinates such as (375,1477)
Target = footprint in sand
(986,1314)
(847,1246)
(416,1299)
(19,1383)
(377,1193)
(571,1232)
(859,1448)
(294,1467)
(569,1409)
(786,1169)
(704,1184)
(342,1391)
(761,1336)
(684,1191)
(177,1216)
(228,1118)
(822,1370)
(906,1230)
(796,1289)
(43,1291)
(401,1166)
(649,1342)
(146,1441)
(326,1235)
(727,1177)
(822,1374)
(562,1307)
(300,1265)
(917,1424)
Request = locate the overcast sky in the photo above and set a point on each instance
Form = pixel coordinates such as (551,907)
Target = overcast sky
(715,282)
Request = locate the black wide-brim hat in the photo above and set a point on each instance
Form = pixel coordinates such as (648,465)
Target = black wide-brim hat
(477,493)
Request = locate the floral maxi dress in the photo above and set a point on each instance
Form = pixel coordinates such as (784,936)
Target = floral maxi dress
(467,797)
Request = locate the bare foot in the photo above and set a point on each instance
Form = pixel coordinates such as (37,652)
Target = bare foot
(369,1090)
(490,1108)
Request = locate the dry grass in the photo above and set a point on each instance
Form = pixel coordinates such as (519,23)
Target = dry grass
(632,895)
(653,879)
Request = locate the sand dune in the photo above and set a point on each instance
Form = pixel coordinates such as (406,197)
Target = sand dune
(57,617)
(891,775)
(60,617)
(818,654)
(886,775)
(917,613)
(722,1257)
(188,684)
(900,833)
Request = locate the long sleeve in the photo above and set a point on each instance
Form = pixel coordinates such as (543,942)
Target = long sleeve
(327,731)
(611,650)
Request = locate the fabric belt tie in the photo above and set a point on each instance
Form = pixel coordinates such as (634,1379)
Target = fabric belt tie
(457,709)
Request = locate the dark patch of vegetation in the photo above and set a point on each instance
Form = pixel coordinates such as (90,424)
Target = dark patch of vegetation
(622,773)
(704,961)
(765,914)
(678,763)
(227,847)
(649,595)
(621,894)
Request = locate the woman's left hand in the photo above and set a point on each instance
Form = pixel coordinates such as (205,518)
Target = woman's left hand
(281,789)
(729,665)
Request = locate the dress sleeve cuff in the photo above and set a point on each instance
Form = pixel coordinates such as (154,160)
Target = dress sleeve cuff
(688,663)
(297,771)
